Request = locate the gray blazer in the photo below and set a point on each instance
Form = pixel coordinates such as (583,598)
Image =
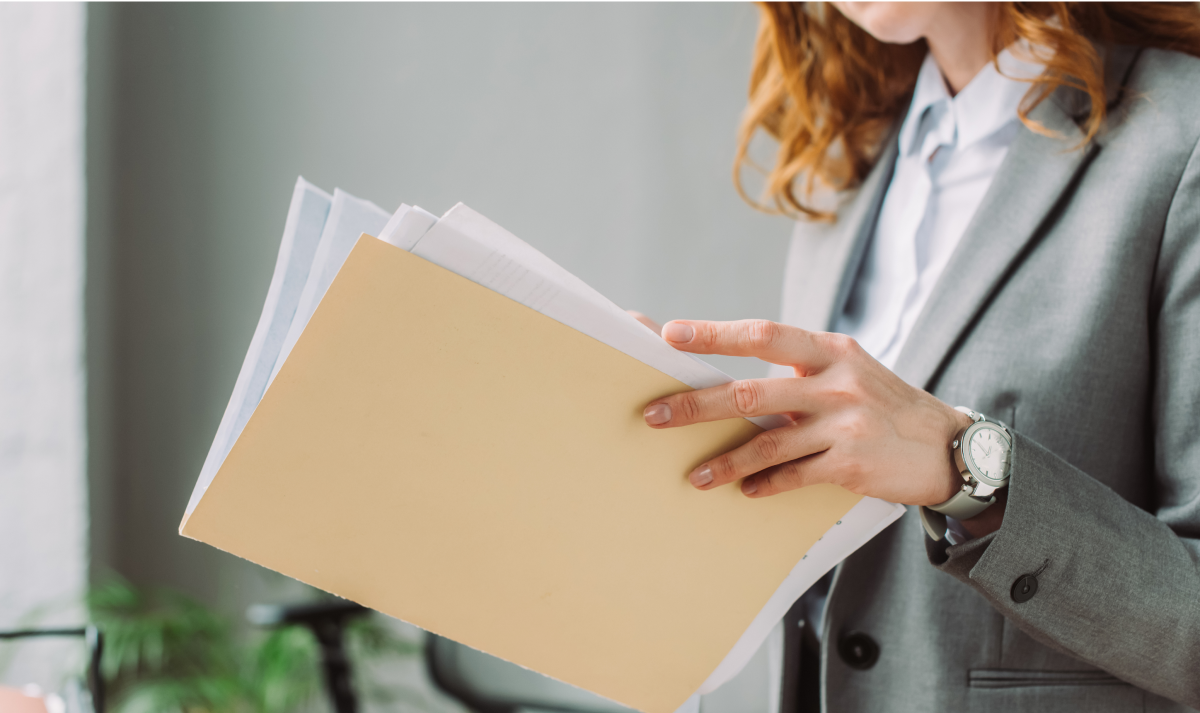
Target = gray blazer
(1070,310)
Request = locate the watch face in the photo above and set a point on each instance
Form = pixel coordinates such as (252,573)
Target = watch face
(989,451)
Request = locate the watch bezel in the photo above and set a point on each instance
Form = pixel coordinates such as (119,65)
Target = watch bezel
(966,463)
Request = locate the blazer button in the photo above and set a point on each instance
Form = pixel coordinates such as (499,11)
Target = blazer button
(858,650)
(1024,588)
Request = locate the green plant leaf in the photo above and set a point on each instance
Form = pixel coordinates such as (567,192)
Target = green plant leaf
(285,673)
(210,694)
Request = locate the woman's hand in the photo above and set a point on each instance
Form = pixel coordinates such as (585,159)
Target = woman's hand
(855,423)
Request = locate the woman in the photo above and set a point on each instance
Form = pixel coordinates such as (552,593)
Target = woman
(1000,210)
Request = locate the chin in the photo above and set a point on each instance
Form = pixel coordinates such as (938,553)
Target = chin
(892,22)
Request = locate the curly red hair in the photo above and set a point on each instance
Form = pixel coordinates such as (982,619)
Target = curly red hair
(829,92)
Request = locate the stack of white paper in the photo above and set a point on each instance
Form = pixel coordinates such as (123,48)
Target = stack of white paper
(321,230)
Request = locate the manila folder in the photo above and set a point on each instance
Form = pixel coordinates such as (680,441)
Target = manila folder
(438,452)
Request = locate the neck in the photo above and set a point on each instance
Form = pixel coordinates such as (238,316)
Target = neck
(960,41)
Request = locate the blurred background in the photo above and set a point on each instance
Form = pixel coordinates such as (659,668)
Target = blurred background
(147,157)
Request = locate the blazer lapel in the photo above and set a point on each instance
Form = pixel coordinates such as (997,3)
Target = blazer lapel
(824,258)
(1036,177)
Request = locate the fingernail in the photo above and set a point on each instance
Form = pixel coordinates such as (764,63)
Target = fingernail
(676,332)
(657,415)
(749,486)
(701,476)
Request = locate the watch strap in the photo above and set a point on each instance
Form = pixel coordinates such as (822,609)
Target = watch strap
(960,507)
(963,506)
(934,523)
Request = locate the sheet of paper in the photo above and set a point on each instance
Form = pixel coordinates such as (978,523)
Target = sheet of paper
(389,228)
(348,218)
(406,226)
(517,503)
(301,234)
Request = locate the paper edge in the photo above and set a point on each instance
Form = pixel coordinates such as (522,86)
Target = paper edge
(237,396)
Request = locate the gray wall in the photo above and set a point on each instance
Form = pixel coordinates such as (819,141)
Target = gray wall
(601,134)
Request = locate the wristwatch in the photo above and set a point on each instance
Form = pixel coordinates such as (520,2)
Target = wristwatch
(982,455)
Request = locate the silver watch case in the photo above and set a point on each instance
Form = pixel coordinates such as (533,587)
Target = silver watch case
(980,485)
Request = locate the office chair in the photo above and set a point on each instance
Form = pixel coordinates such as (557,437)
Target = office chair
(94,639)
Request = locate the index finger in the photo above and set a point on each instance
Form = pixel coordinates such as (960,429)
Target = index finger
(769,341)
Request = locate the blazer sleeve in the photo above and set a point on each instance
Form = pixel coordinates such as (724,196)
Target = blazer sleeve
(1117,586)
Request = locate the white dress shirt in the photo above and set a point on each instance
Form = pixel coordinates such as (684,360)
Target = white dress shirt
(950,149)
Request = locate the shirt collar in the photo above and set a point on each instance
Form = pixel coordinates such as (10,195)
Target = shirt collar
(988,102)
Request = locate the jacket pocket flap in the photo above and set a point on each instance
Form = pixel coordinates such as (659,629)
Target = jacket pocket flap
(1010,678)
